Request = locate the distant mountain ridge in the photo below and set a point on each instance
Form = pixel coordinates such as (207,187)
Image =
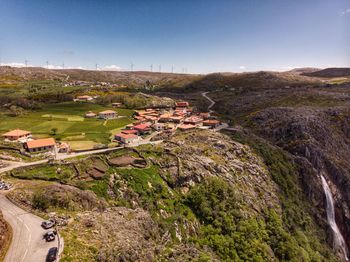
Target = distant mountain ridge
(302,70)
(170,81)
(330,72)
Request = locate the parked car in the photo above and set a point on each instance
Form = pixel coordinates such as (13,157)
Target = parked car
(5,186)
(48,224)
(50,235)
(52,254)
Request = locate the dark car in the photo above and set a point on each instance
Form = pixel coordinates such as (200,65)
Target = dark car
(50,236)
(52,254)
(48,224)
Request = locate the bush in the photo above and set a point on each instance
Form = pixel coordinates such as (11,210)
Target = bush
(40,201)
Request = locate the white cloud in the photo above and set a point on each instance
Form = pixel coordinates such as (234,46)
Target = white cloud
(14,64)
(111,68)
(53,67)
(242,67)
(345,12)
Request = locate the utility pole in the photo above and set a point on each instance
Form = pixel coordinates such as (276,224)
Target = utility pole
(26,62)
(96,67)
(132,66)
(151,68)
(172,69)
(160,68)
(47,64)
(63,65)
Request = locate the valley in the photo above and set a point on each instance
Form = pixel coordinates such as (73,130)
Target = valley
(249,189)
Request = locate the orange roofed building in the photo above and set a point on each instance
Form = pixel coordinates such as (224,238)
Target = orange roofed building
(182,104)
(108,114)
(127,138)
(212,123)
(17,134)
(184,127)
(39,145)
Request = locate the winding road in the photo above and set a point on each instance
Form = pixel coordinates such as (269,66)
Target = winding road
(27,243)
(212,103)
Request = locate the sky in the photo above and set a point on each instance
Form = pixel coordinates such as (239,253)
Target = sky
(194,36)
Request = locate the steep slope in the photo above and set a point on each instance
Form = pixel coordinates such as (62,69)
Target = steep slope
(311,124)
(322,137)
(330,72)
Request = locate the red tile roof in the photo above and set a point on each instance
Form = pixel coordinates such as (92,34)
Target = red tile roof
(107,112)
(193,119)
(126,136)
(186,127)
(41,143)
(142,127)
(129,131)
(211,122)
(182,104)
(17,133)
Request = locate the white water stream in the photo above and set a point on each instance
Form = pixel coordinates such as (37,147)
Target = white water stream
(338,240)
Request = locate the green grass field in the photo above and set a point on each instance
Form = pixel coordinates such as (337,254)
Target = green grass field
(69,120)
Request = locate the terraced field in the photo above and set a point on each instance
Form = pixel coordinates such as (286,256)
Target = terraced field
(68,119)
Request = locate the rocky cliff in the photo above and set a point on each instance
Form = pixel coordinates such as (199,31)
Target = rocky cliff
(321,137)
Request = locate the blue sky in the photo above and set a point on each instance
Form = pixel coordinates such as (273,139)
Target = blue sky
(199,35)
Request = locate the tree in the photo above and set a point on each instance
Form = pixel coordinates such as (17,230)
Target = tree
(53,131)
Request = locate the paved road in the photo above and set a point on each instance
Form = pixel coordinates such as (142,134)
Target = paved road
(27,243)
(212,102)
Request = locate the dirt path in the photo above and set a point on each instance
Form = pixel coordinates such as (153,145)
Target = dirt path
(27,243)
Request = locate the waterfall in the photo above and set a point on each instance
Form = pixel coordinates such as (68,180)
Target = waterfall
(338,240)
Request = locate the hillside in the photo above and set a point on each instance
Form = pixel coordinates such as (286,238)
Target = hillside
(255,80)
(312,125)
(163,81)
(330,72)
(216,201)
(12,75)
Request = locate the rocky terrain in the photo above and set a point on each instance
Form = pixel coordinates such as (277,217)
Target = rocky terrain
(5,235)
(309,123)
(193,201)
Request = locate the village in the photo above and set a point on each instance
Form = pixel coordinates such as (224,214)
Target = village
(147,123)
